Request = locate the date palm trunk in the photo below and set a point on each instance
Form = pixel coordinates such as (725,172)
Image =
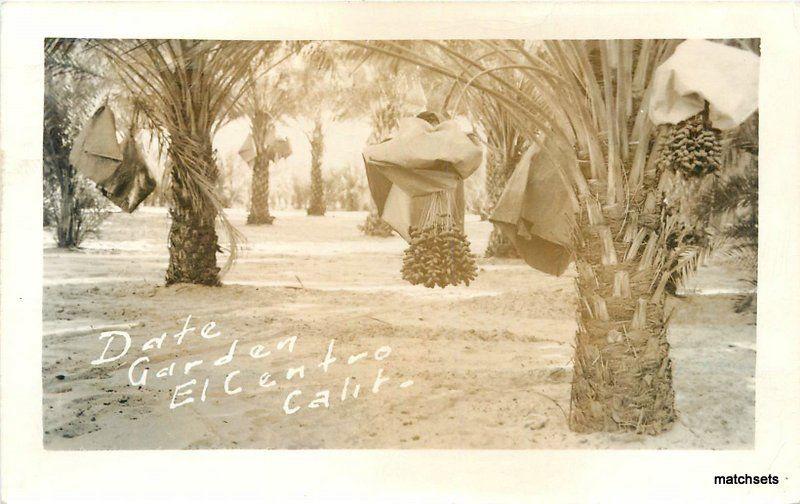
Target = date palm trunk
(69,218)
(259,193)
(622,377)
(316,204)
(259,187)
(498,171)
(193,241)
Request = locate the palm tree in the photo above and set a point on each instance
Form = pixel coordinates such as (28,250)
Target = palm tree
(72,85)
(184,89)
(316,203)
(313,88)
(264,102)
(326,90)
(590,110)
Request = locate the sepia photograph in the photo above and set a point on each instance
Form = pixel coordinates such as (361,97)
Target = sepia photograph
(392,252)
(478,243)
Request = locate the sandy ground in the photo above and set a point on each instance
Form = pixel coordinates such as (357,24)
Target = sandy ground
(490,363)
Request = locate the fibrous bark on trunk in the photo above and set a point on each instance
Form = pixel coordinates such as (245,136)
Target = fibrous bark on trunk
(316,204)
(259,186)
(622,377)
(259,193)
(193,242)
(69,220)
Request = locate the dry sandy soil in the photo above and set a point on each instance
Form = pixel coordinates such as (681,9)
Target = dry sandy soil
(490,363)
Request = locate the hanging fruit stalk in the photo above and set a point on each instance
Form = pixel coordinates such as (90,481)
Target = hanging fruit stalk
(439,252)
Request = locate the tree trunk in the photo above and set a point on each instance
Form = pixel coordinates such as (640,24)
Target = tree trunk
(498,171)
(259,186)
(316,205)
(193,244)
(69,218)
(622,378)
(259,192)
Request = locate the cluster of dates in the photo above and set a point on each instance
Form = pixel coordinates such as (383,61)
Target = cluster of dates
(693,148)
(439,254)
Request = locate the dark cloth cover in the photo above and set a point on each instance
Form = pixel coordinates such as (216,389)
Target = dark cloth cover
(537,214)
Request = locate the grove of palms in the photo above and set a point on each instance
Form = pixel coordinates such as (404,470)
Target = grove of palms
(583,104)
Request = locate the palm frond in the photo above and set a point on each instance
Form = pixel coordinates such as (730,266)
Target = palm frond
(184,90)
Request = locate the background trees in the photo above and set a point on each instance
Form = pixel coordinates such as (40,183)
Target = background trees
(72,204)
(316,80)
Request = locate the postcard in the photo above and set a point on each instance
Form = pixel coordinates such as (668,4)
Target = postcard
(339,251)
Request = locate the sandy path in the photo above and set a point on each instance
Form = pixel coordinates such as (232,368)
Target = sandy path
(490,363)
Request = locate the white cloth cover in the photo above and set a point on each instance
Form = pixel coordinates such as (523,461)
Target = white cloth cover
(421,146)
(701,71)
(420,160)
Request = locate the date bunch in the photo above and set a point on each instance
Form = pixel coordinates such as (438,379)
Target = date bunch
(693,148)
(439,254)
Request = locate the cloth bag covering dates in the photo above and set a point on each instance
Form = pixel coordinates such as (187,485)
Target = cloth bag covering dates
(277,148)
(131,182)
(420,160)
(96,154)
(536,213)
(700,71)
(120,172)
